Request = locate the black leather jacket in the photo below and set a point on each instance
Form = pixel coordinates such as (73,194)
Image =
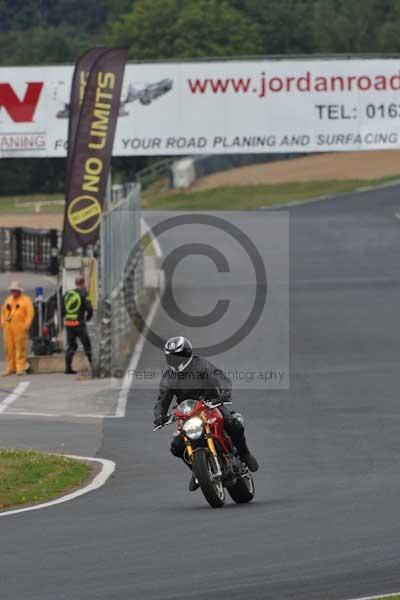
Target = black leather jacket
(199,379)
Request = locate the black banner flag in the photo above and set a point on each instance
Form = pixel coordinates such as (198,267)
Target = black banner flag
(90,153)
(81,73)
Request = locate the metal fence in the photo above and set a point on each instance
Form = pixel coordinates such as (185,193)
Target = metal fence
(121,191)
(121,278)
(120,231)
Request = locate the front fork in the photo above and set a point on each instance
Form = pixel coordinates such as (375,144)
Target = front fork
(211,447)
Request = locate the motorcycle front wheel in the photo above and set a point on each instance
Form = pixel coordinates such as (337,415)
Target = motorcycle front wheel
(204,470)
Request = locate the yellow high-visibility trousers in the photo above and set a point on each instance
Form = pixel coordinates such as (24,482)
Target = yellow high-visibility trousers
(16,344)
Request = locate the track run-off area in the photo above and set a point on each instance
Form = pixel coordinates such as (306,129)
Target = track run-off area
(324,523)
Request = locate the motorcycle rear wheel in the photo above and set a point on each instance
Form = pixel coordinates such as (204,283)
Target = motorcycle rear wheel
(243,491)
(213,491)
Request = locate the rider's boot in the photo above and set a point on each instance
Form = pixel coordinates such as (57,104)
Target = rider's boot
(244,453)
(250,461)
(235,429)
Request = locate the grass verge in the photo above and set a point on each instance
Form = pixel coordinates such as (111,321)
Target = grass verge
(248,197)
(28,477)
(390,597)
(251,197)
(27,204)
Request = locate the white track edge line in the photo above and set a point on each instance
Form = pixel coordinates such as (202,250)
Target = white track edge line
(126,382)
(378,597)
(108,468)
(14,395)
(26,413)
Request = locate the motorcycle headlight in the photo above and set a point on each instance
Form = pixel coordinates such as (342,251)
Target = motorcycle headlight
(193,428)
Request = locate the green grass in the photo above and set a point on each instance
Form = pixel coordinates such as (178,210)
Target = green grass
(248,197)
(12,204)
(251,197)
(28,477)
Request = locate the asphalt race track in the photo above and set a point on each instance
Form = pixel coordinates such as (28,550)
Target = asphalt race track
(325,523)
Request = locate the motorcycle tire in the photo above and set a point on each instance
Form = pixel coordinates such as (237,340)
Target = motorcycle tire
(243,491)
(202,468)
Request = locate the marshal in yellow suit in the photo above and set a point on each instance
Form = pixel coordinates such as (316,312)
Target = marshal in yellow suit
(16,317)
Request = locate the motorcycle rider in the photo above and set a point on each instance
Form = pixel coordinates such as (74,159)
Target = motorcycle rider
(191,377)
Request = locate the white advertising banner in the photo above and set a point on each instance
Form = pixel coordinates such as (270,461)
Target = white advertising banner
(214,107)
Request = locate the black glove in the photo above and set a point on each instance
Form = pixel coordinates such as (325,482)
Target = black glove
(159,420)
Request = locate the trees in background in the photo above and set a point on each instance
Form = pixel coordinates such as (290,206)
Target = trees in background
(49,45)
(284,26)
(83,15)
(356,25)
(51,31)
(156,29)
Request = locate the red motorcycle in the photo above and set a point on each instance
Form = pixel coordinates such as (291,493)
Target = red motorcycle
(211,453)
